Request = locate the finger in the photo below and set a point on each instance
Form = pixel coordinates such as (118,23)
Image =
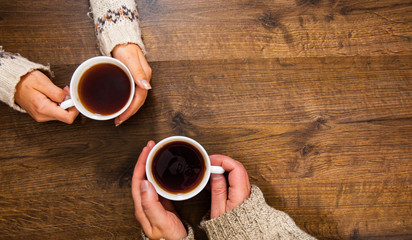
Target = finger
(145,65)
(134,65)
(138,177)
(237,172)
(140,77)
(72,114)
(72,111)
(219,195)
(153,209)
(66,90)
(139,68)
(47,110)
(137,102)
(239,185)
(58,113)
(139,172)
(151,144)
(45,86)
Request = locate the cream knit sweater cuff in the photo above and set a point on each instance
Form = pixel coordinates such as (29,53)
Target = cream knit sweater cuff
(253,219)
(116,22)
(12,68)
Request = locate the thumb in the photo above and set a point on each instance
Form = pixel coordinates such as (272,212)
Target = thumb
(219,195)
(140,77)
(153,209)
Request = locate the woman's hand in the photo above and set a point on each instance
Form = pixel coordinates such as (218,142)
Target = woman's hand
(155,214)
(239,186)
(132,56)
(36,94)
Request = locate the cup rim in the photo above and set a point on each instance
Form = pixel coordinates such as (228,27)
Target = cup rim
(178,196)
(84,66)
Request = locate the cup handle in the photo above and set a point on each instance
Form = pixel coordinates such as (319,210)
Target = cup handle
(66,104)
(217,170)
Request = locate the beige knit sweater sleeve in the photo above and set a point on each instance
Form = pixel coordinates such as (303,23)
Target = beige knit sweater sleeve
(116,22)
(12,68)
(253,219)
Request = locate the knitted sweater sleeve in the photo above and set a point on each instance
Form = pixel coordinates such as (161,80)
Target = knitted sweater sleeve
(116,22)
(253,219)
(12,68)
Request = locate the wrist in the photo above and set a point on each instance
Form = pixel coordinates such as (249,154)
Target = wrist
(122,49)
(189,231)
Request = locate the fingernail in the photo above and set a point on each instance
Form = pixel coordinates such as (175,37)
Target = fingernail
(144,186)
(117,124)
(146,84)
(67,91)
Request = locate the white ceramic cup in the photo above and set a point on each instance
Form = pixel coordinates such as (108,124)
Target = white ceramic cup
(181,196)
(74,84)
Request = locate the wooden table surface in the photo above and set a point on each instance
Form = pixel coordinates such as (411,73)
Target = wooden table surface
(313,97)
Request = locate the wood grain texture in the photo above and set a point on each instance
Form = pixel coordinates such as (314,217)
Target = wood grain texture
(323,128)
(49,32)
(193,30)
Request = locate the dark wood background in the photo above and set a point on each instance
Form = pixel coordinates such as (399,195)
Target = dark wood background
(314,97)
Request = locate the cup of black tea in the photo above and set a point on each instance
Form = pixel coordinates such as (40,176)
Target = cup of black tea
(101,88)
(179,168)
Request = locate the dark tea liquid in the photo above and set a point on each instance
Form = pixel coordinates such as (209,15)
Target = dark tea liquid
(104,89)
(178,167)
